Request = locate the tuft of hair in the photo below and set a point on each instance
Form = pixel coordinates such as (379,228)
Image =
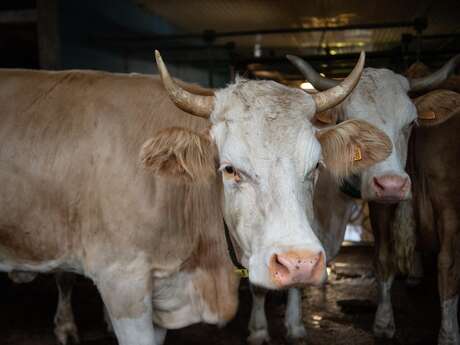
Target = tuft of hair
(327,117)
(182,154)
(404,237)
(417,70)
(341,143)
(442,104)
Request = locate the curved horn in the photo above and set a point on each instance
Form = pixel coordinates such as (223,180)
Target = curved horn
(191,103)
(330,98)
(318,81)
(433,80)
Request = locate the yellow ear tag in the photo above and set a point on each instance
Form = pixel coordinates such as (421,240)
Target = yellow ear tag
(357,155)
(427,115)
(243,272)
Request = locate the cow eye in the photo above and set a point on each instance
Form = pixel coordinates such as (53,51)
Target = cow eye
(229,169)
(230,173)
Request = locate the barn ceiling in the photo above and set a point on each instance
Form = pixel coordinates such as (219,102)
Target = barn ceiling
(235,15)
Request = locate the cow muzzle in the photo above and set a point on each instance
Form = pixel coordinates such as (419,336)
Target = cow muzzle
(391,188)
(297,268)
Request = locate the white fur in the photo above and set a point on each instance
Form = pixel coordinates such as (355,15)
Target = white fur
(293,318)
(262,130)
(258,326)
(177,302)
(136,330)
(448,334)
(384,324)
(381,99)
(65,327)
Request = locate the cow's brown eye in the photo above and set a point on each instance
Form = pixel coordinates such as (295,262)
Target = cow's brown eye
(229,169)
(230,173)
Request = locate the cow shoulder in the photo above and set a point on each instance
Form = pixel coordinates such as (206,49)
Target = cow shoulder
(181,154)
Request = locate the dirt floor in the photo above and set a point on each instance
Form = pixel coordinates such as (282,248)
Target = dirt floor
(339,313)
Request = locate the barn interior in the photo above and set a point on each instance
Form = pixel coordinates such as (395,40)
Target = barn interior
(210,43)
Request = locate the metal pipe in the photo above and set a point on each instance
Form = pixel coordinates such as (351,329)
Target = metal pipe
(210,33)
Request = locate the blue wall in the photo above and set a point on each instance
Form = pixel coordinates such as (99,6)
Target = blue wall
(81,20)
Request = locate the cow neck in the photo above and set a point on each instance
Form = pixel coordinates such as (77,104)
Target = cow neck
(350,187)
(240,269)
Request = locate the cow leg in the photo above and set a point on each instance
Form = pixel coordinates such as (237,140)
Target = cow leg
(381,216)
(108,322)
(160,334)
(416,273)
(448,277)
(384,324)
(293,319)
(65,328)
(127,294)
(258,327)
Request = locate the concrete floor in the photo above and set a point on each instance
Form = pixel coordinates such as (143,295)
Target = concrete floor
(339,313)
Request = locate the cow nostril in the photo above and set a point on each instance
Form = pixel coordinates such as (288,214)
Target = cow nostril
(278,266)
(378,184)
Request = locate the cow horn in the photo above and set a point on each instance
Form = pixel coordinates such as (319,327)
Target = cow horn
(319,82)
(198,105)
(433,80)
(330,98)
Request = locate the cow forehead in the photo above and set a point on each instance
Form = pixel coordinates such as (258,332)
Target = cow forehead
(262,100)
(381,99)
(263,120)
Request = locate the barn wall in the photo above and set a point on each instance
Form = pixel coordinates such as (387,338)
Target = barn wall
(79,21)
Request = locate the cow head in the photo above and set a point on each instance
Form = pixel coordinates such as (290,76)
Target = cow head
(264,146)
(381,98)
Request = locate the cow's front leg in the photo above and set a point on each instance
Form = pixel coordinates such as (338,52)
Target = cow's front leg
(65,328)
(384,324)
(296,332)
(108,322)
(381,215)
(160,334)
(258,327)
(448,334)
(448,277)
(127,294)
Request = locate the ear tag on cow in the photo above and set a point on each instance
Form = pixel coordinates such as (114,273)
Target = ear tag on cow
(357,156)
(427,115)
(242,272)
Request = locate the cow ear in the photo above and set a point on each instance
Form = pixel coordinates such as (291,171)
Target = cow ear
(325,118)
(352,146)
(437,107)
(181,154)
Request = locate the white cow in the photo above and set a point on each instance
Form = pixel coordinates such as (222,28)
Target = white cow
(381,98)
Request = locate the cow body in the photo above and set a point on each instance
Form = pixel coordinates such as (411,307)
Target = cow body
(75,198)
(88,190)
(436,186)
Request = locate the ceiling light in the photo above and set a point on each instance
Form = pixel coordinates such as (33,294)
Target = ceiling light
(306,86)
(322,75)
(333,52)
